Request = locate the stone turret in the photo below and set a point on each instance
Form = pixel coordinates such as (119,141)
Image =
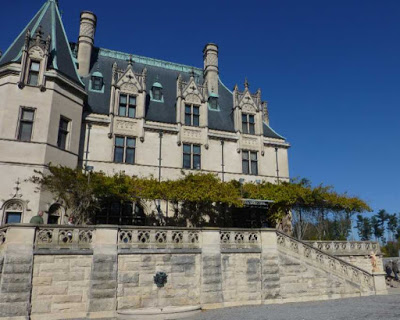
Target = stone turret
(86,41)
(210,55)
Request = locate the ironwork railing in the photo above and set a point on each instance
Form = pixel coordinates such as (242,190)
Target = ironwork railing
(64,237)
(159,238)
(325,260)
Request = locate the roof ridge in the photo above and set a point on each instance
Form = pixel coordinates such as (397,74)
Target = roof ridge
(149,61)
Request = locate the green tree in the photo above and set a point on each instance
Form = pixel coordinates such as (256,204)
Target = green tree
(392,225)
(364,227)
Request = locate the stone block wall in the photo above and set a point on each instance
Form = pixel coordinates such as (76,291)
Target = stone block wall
(136,288)
(69,272)
(61,285)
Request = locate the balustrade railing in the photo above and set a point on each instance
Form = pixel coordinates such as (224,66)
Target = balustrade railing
(347,247)
(325,260)
(159,239)
(238,239)
(64,237)
(3,236)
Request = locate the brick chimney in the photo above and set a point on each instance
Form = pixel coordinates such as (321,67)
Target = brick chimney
(210,55)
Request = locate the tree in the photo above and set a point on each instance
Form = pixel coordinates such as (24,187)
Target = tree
(382,217)
(364,228)
(376,229)
(392,225)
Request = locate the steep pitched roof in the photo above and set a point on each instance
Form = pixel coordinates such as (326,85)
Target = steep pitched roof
(48,17)
(165,73)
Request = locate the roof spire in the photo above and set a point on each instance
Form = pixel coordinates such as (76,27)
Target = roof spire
(246,83)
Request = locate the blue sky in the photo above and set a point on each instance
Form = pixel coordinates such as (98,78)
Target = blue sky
(329,70)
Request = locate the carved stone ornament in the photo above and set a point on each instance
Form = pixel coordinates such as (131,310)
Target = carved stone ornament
(193,98)
(160,279)
(87,30)
(248,108)
(14,206)
(36,52)
(128,87)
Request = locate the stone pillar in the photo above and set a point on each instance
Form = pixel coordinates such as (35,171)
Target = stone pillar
(103,284)
(16,275)
(211,272)
(380,283)
(86,41)
(270,286)
(210,56)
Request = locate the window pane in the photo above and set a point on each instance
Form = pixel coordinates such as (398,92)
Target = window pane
(251,118)
(252,129)
(33,78)
(196,110)
(196,150)
(64,124)
(213,103)
(244,127)
(187,148)
(97,83)
(196,162)
(119,155)
(244,117)
(186,161)
(196,120)
(245,155)
(13,217)
(122,111)
(130,155)
(188,109)
(132,101)
(62,140)
(245,166)
(27,115)
(35,66)
(130,142)
(254,167)
(119,141)
(122,99)
(25,131)
(156,93)
(132,112)
(253,156)
(188,120)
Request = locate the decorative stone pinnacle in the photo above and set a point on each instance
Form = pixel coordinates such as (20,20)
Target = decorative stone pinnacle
(39,33)
(246,83)
(235,88)
(130,60)
(17,188)
(192,73)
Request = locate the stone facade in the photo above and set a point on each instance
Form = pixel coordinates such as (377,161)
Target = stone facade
(100,109)
(73,273)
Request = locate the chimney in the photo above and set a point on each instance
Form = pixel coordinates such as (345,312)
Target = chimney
(210,55)
(86,41)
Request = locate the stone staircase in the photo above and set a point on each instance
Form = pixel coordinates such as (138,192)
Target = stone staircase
(313,274)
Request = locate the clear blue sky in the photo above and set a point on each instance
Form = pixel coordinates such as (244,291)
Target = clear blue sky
(329,69)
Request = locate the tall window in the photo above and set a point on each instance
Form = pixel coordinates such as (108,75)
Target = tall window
(249,162)
(192,115)
(124,150)
(191,156)
(127,106)
(63,133)
(33,75)
(248,123)
(26,124)
(13,212)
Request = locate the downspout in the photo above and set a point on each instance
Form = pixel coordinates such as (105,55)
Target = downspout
(160,134)
(277,166)
(87,147)
(223,162)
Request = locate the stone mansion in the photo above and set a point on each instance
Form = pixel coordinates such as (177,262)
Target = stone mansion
(74,104)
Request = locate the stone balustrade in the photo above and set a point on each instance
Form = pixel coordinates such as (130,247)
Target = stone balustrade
(240,239)
(64,237)
(326,261)
(346,248)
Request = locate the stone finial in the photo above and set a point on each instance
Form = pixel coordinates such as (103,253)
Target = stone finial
(48,41)
(130,61)
(192,75)
(246,83)
(235,88)
(27,38)
(38,35)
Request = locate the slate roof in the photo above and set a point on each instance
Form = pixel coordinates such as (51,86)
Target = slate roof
(165,73)
(61,59)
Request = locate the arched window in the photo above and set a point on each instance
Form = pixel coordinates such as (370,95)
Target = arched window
(13,212)
(55,214)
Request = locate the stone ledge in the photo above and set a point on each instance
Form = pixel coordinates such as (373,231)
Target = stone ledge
(159,251)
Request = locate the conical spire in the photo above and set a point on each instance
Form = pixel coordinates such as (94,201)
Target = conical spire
(46,22)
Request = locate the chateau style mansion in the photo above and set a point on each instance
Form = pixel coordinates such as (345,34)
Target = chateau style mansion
(74,104)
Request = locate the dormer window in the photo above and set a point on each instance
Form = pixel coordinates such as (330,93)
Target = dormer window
(248,123)
(33,76)
(127,106)
(96,82)
(156,92)
(213,103)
